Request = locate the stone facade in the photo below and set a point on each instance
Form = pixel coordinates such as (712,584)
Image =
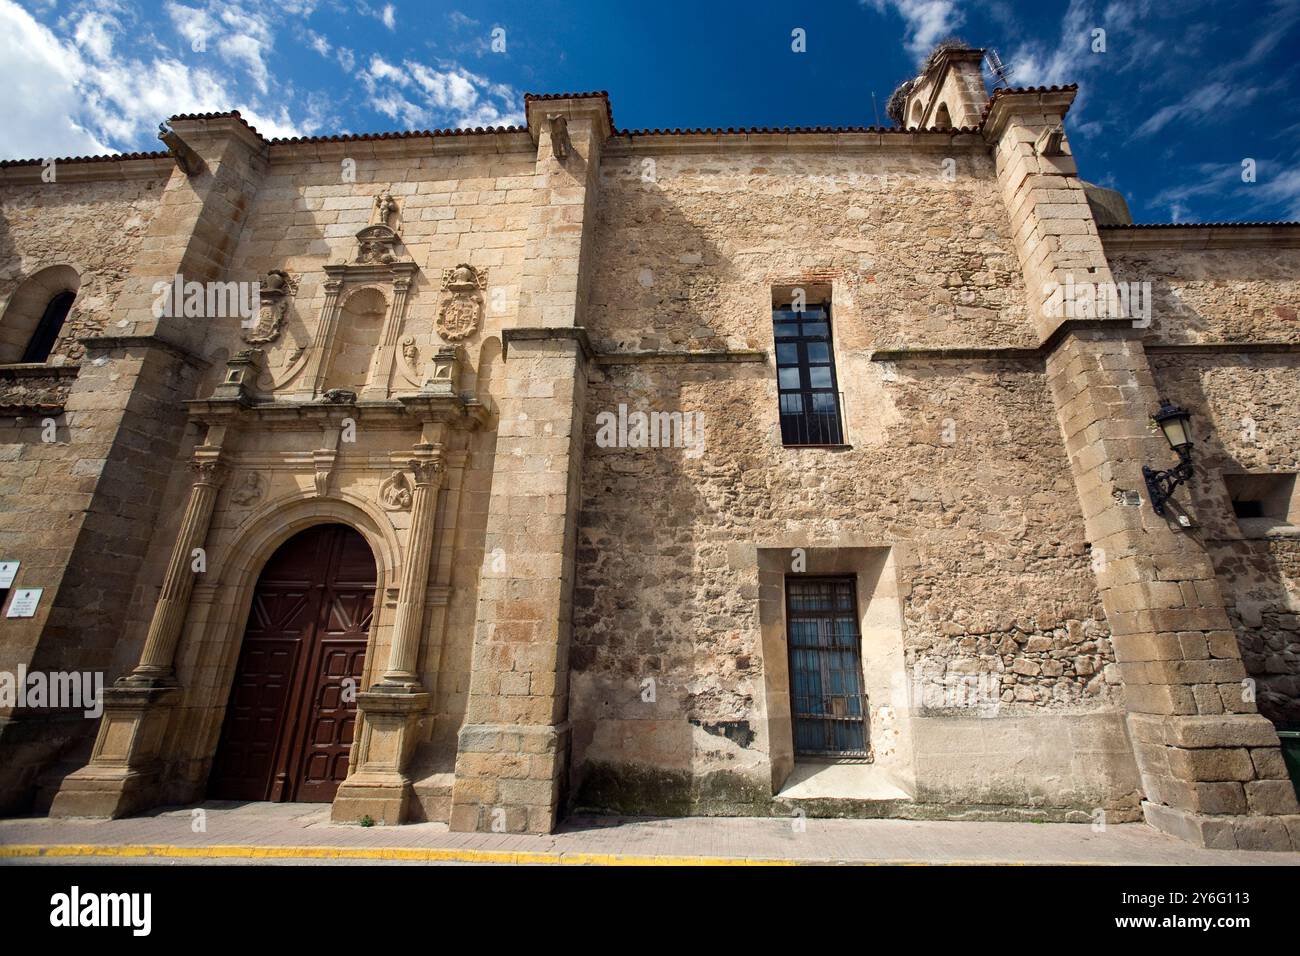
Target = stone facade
(445,325)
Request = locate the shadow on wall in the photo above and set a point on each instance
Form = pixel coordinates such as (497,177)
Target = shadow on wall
(1259,574)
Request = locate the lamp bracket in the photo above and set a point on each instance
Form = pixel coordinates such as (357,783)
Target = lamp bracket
(1162,484)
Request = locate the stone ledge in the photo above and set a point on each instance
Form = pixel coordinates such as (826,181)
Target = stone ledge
(1275,833)
(665,357)
(1240,730)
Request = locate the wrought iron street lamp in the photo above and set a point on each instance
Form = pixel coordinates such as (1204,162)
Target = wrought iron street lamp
(1173,422)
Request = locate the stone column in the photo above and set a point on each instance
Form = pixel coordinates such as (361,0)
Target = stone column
(408,625)
(157,660)
(513,747)
(394,707)
(1211,769)
(122,776)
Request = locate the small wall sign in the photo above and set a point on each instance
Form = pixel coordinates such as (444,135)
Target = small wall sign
(24,602)
(8,571)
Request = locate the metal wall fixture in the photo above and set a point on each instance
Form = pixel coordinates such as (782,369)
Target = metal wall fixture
(1174,423)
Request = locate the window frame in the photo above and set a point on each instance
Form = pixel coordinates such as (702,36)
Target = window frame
(806,390)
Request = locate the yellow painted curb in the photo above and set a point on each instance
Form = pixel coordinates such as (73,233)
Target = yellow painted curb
(419,855)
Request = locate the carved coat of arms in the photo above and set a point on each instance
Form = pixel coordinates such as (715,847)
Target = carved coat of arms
(277,288)
(462,308)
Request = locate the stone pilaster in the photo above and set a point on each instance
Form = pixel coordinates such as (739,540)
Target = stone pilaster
(427,466)
(157,661)
(392,709)
(1052,224)
(1210,765)
(133,387)
(513,747)
(122,774)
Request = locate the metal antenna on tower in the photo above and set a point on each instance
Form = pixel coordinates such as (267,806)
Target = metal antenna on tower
(1000,69)
(874,108)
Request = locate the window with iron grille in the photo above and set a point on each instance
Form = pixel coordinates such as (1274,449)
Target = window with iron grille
(828,702)
(807,389)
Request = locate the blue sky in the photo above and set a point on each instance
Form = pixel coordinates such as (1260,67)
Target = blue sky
(1184,91)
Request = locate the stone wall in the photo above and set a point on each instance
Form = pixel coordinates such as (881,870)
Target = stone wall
(96,227)
(1246,421)
(1217,294)
(958,467)
(690,243)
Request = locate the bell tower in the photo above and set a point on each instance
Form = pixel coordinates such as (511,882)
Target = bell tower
(948,93)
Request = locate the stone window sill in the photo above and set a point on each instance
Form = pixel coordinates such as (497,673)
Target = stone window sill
(1256,528)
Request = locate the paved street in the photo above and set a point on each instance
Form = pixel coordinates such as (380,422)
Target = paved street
(301,833)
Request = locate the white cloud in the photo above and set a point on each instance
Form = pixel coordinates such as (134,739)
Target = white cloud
(79,95)
(39,76)
(927,21)
(94,34)
(242,37)
(389,16)
(1199,102)
(420,95)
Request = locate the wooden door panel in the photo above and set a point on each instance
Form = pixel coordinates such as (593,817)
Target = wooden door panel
(289,726)
(332,720)
(255,718)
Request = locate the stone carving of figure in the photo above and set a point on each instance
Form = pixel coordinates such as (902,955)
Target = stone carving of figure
(395,492)
(385,208)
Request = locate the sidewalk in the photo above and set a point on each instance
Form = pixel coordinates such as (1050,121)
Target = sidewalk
(267,832)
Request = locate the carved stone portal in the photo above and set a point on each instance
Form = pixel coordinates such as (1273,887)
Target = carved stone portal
(462,308)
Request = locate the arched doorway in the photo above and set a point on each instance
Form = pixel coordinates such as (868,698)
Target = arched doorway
(289,723)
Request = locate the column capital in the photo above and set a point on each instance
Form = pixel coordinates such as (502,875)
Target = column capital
(209,470)
(427,464)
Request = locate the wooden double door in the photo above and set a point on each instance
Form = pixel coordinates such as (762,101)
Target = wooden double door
(292,714)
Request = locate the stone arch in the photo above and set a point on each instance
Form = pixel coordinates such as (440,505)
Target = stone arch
(915,120)
(356,340)
(235,568)
(29,305)
(942,118)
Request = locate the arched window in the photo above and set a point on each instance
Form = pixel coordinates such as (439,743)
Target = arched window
(47,330)
(35,314)
(942,118)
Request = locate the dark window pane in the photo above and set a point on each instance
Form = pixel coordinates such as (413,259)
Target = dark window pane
(811,329)
(788,377)
(819,351)
(819,376)
(823,403)
(787,353)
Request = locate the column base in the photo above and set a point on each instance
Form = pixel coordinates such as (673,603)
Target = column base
(1216,832)
(122,777)
(379,788)
(106,793)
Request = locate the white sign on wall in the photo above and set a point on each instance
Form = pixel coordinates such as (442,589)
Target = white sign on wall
(8,570)
(24,602)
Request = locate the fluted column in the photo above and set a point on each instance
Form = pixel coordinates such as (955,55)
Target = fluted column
(427,466)
(157,659)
